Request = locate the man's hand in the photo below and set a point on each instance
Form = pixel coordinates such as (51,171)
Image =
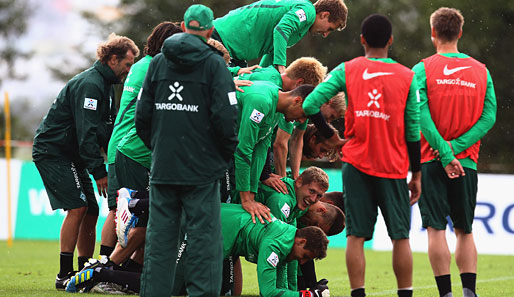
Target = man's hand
(320,289)
(415,187)
(255,208)
(281,68)
(336,142)
(242,83)
(247,69)
(101,185)
(276,183)
(454,169)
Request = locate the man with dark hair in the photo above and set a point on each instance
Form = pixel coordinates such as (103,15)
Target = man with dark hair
(135,160)
(270,245)
(187,116)
(261,106)
(266,28)
(458,107)
(381,101)
(68,143)
(328,214)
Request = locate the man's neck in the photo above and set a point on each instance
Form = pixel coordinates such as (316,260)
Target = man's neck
(283,102)
(446,47)
(376,53)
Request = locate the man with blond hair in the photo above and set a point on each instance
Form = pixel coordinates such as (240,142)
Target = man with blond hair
(266,28)
(68,143)
(454,117)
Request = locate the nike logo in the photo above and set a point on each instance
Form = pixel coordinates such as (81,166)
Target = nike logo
(447,71)
(366,75)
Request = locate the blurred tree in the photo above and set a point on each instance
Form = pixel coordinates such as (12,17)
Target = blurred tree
(13,23)
(488,37)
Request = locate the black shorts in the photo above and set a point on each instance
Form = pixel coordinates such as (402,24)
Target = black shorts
(442,197)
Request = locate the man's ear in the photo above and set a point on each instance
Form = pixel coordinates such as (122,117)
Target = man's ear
(322,208)
(298,181)
(300,241)
(299,82)
(324,15)
(113,60)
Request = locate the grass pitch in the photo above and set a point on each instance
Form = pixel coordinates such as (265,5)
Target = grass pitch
(28,268)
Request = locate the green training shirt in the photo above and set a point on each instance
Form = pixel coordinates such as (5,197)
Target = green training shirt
(467,139)
(125,118)
(265,29)
(257,119)
(266,244)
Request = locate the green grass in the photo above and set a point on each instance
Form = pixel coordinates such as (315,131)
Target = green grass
(28,268)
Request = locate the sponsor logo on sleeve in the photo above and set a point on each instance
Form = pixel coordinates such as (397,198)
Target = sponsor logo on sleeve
(232,98)
(286,210)
(301,15)
(273,259)
(256,116)
(90,103)
(329,76)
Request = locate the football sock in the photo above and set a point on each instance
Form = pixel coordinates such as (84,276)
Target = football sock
(444,284)
(142,195)
(82,260)
(139,206)
(358,292)
(106,250)
(132,266)
(126,279)
(309,274)
(66,263)
(405,292)
(468,284)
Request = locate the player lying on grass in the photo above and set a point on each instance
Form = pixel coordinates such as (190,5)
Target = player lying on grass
(270,245)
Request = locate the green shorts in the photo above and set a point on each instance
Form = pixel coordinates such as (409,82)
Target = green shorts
(442,197)
(68,187)
(112,186)
(131,174)
(363,194)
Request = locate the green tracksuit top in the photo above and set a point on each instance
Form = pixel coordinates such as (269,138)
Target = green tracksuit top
(257,119)
(479,129)
(80,121)
(283,207)
(125,118)
(265,29)
(267,244)
(187,112)
(130,144)
(265,73)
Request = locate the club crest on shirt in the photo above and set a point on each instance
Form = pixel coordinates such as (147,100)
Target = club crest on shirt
(256,116)
(273,259)
(90,103)
(286,210)
(301,15)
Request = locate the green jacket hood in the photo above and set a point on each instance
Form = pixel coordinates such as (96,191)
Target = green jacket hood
(186,50)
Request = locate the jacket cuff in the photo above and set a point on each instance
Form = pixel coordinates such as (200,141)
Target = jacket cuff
(99,172)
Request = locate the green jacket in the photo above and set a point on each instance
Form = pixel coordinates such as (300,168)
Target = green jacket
(267,244)
(257,119)
(80,121)
(125,119)
(268,26)
(187,112)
